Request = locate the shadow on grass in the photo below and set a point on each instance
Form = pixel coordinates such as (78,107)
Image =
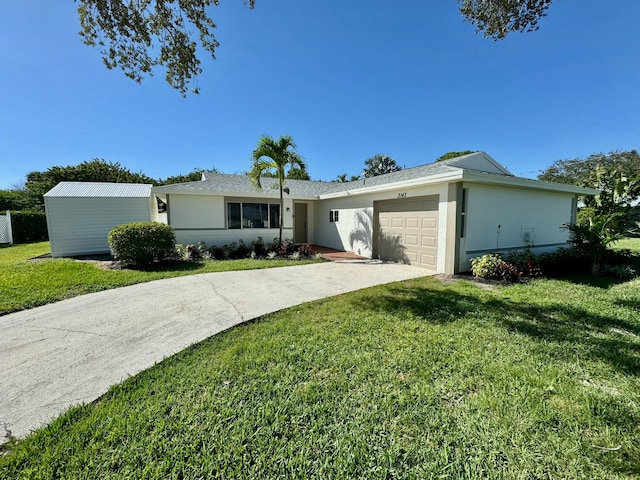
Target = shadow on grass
(571,326)
(597,281)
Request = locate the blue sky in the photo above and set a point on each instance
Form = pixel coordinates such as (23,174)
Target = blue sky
(346,79)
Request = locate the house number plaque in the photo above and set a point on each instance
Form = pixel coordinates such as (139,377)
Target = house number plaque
(402,195)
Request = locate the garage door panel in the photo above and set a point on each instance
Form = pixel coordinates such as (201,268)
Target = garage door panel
(411,239)
(428,241)
(429,222)
(428,260)
(412,222)
(409,231)
(412,256)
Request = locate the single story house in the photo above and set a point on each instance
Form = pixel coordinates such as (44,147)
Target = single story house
(80,215)
(437,216)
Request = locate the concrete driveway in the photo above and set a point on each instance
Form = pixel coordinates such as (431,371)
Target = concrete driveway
(71,352)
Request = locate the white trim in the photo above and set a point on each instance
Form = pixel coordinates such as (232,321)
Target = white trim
(416,182)
(488,178)
(484,156)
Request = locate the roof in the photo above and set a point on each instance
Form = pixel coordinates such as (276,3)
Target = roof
(475,167)
(100,189)
(241,184)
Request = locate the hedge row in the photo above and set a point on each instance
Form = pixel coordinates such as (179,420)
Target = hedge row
(29,226)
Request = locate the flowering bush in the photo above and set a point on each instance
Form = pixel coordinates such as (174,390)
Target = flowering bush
(492,266)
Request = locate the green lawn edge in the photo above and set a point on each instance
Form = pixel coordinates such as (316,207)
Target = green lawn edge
(28,282)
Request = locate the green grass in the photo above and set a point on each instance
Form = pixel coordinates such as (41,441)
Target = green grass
(26,283)
(629,242)
(415,379)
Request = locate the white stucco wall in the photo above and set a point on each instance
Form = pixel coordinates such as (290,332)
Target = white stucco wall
(197,218)
(498,218)
(196,211)
(80,225)
(354,230)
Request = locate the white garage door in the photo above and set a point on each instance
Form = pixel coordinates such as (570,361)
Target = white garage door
(408,231)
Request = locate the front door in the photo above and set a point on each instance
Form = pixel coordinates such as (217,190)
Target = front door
(300,225)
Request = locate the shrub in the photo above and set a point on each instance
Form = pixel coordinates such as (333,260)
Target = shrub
(507,272)
(142,243)
(306,250)
(594,237)
(485,266)
(258,247)
(491,266)
(526,262)
(193,253)
(29,226)
(242,250)
(564,261)
(624,272)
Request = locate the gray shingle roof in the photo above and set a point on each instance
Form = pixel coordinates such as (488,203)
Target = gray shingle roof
(303,188)
(240,184)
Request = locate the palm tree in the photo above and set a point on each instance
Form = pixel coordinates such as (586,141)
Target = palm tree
(342,178)
(273,156)
(379,164)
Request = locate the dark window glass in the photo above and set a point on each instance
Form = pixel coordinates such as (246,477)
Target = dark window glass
(233,215)
(255,215)
(274,216)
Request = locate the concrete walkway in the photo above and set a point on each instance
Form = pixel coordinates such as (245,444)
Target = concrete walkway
(71,352)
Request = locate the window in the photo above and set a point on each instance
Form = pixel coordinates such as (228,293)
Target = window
(233,215)
(463,213)
(274,215)
(252,215)
(333,216)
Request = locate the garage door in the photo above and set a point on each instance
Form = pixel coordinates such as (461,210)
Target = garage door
(408,231)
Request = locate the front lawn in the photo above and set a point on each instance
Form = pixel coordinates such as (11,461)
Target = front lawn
(28,283)
(416,379)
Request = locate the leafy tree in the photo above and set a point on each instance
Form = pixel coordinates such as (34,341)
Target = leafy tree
(449,155)
(194,176)
(618,192)
(616,175)
(14,200)
(495,19)
(578,171)
(138,36)
(379,164)
(294,173)
(342,178)
(96,170)
(274,156)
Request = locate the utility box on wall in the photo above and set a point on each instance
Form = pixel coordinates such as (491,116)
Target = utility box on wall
(528,234)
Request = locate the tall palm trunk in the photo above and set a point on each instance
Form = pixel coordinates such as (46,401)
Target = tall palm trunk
(281,215)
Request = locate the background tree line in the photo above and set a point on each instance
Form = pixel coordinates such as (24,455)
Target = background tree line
(30,197)
(615,174)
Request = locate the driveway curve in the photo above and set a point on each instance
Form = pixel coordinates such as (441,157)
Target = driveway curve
(70,352)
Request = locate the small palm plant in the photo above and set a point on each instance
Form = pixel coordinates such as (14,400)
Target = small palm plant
(595,237)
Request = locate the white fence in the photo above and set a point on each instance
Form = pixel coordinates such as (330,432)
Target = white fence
(6,235)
